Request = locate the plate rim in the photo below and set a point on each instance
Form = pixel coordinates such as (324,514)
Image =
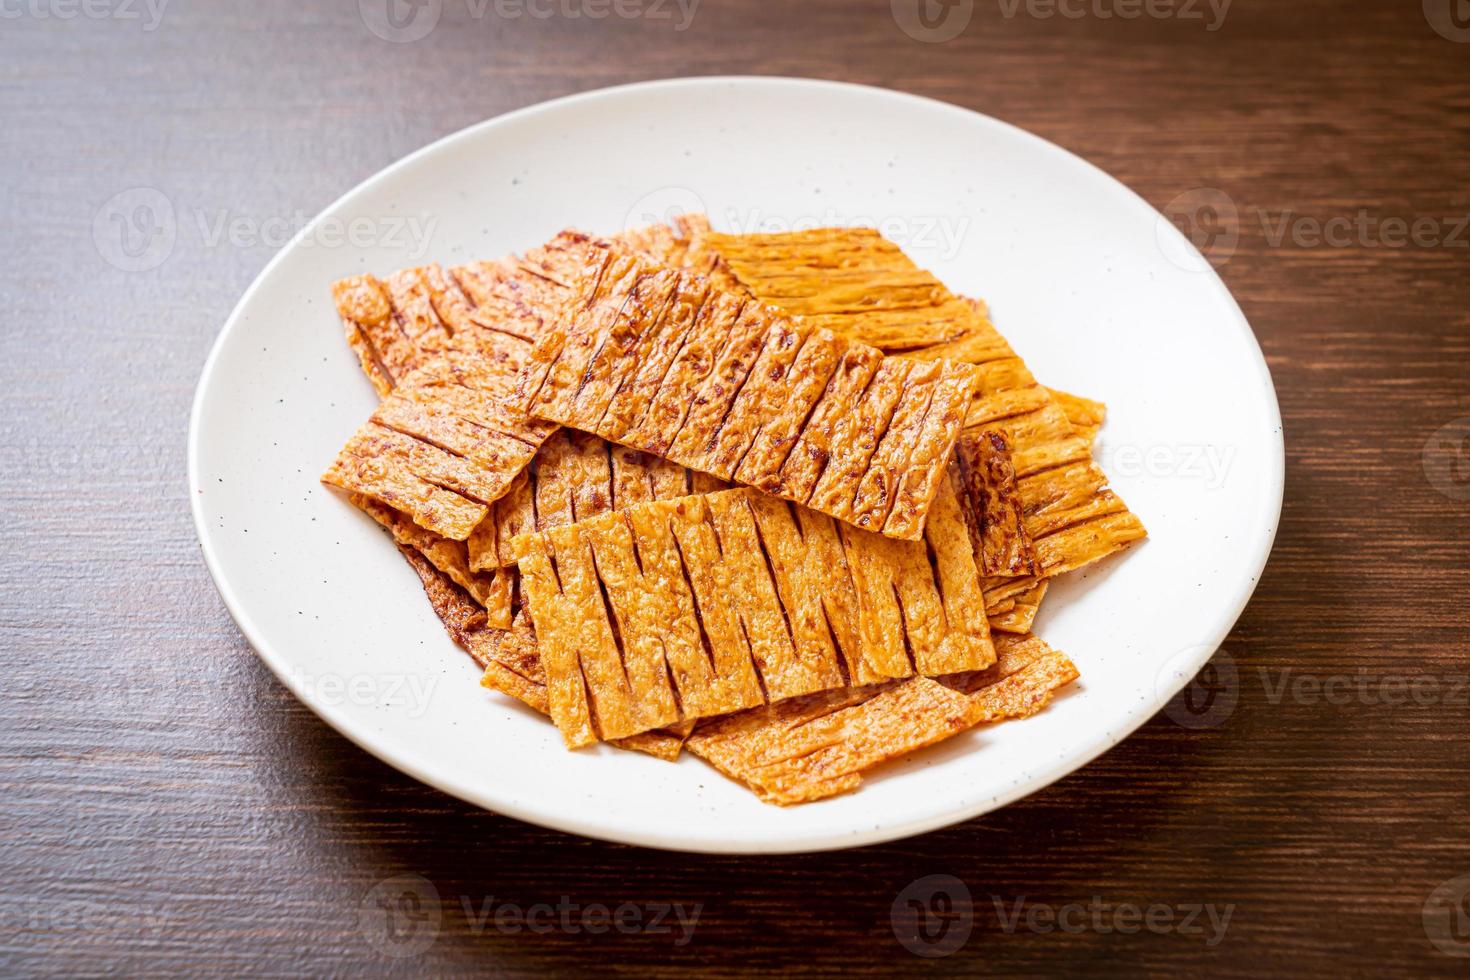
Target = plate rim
(484,795)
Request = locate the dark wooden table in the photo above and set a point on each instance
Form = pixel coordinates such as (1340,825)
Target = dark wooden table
(166,806)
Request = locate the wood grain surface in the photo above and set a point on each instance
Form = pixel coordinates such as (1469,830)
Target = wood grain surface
(166,806)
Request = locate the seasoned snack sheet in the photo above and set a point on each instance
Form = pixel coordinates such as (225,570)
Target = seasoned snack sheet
(493,310)
(993,506)
(841,279)
(443,446)
(684,243)
(706,605)
(791,650)
(666,362)
(1086,415)
(1071,515)
(575,476)
(1011,603)
(819,746)
(1021,614)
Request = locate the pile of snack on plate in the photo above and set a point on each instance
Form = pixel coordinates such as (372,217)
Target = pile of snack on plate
(782,500)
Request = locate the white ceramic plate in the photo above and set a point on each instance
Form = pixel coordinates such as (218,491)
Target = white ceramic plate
(1099,293)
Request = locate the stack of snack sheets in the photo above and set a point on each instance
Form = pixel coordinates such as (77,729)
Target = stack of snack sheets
(779,499)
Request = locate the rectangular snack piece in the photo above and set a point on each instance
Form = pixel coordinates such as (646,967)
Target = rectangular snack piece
(572,477)
(1011,602)
(732,376)
(1085,414)
(837,278)
(711,604)
(1021,614)
(684,243)
(806,556)
(443,446)
(586,628)
(993,508)
(490,310)
(820,746)
(920,604)
(494,309)
(901,307)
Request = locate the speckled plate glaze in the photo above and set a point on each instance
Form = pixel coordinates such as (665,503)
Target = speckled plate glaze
(1094,288)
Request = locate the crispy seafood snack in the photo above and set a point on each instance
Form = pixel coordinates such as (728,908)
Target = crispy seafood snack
(443,446)
(819,746)
(575,476)
(1071,515)
(920,605)
(993,505)
(1085,414)
(1020,612)
(607,574)
(843,280)
(495,310)
(683,243)
(492,309)
(667,362)
(489,310)
(684,609)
